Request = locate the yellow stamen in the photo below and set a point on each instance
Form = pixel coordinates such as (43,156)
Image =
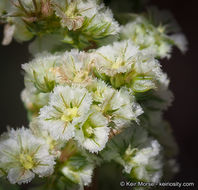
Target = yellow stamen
(70,114)
(118,63)
(26,161)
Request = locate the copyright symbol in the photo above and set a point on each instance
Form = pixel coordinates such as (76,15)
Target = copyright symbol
(122,183)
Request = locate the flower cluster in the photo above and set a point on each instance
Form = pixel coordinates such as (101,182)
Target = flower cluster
(100,102)
(137,153)
(78,23)
(85,99)
(127,65)
(154,32)
(74,103)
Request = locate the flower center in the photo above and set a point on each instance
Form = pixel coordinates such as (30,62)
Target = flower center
(98,94)
(70,114)
(88,130)
(81,76)
(26,161)
(118,63)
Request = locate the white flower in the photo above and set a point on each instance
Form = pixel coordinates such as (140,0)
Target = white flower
(77,165)
(123,64)
(54,145)
(72,22)
(144,164)
(146,65)
(93,133)
(103,23)
(99,91)
(67,106)
(117,106)
(139,154)
(89,8)
(81,176)
(180,41)
(147,36)
(145,73)
(73,13)
(22,155)
(75,68)
(40,75)
(116,58)
(154,34)
(121,108)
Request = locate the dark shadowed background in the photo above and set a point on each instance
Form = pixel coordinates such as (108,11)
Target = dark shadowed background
(182,70)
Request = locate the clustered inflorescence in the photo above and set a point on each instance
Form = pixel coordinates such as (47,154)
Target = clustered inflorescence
(94,92)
